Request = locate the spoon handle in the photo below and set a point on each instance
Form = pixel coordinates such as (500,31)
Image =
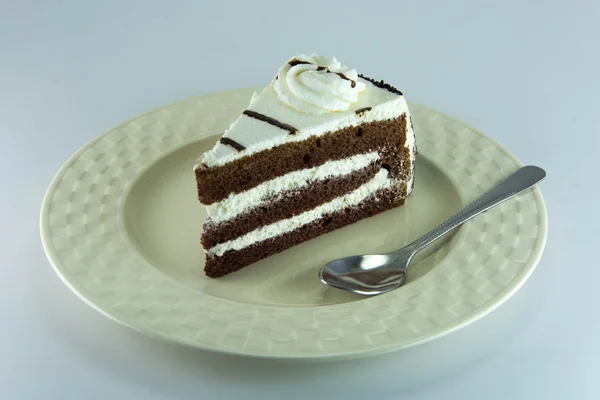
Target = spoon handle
(522,179)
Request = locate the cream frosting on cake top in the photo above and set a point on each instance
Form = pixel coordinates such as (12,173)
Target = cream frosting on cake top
(311,95)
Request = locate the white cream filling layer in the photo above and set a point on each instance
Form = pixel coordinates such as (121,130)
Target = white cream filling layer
(238,203)
(379,181)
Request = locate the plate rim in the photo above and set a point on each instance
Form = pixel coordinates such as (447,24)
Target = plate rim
(459,323)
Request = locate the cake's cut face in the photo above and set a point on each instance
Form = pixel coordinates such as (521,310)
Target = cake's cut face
(321,147)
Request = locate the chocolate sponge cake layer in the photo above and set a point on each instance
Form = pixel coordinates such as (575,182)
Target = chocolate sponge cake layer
(231,261)
(286,205)
(388,137)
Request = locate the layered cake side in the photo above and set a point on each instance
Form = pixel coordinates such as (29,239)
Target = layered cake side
(318,149)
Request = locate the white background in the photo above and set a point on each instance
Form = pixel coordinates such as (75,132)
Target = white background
(526,73)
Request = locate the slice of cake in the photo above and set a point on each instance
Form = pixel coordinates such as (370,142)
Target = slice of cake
(321,147)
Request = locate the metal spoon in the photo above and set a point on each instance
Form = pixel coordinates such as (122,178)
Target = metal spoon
(379,273)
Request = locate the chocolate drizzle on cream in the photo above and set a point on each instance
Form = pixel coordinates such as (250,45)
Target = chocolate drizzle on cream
(362,110)
(295,62)
(272,121)
(382,85)
(352,83)
(232,143)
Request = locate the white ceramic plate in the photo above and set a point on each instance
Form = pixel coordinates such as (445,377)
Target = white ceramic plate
(121,226)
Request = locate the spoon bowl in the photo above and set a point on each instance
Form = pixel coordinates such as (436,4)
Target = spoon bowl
(367,274)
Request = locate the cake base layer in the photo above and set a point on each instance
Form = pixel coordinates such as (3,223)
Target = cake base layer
(388,137)
(289,203)
(231,261)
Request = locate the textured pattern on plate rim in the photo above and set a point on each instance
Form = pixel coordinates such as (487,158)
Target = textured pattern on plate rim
(490,259)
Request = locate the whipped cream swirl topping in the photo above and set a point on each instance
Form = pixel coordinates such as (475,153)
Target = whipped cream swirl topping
(317,85)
